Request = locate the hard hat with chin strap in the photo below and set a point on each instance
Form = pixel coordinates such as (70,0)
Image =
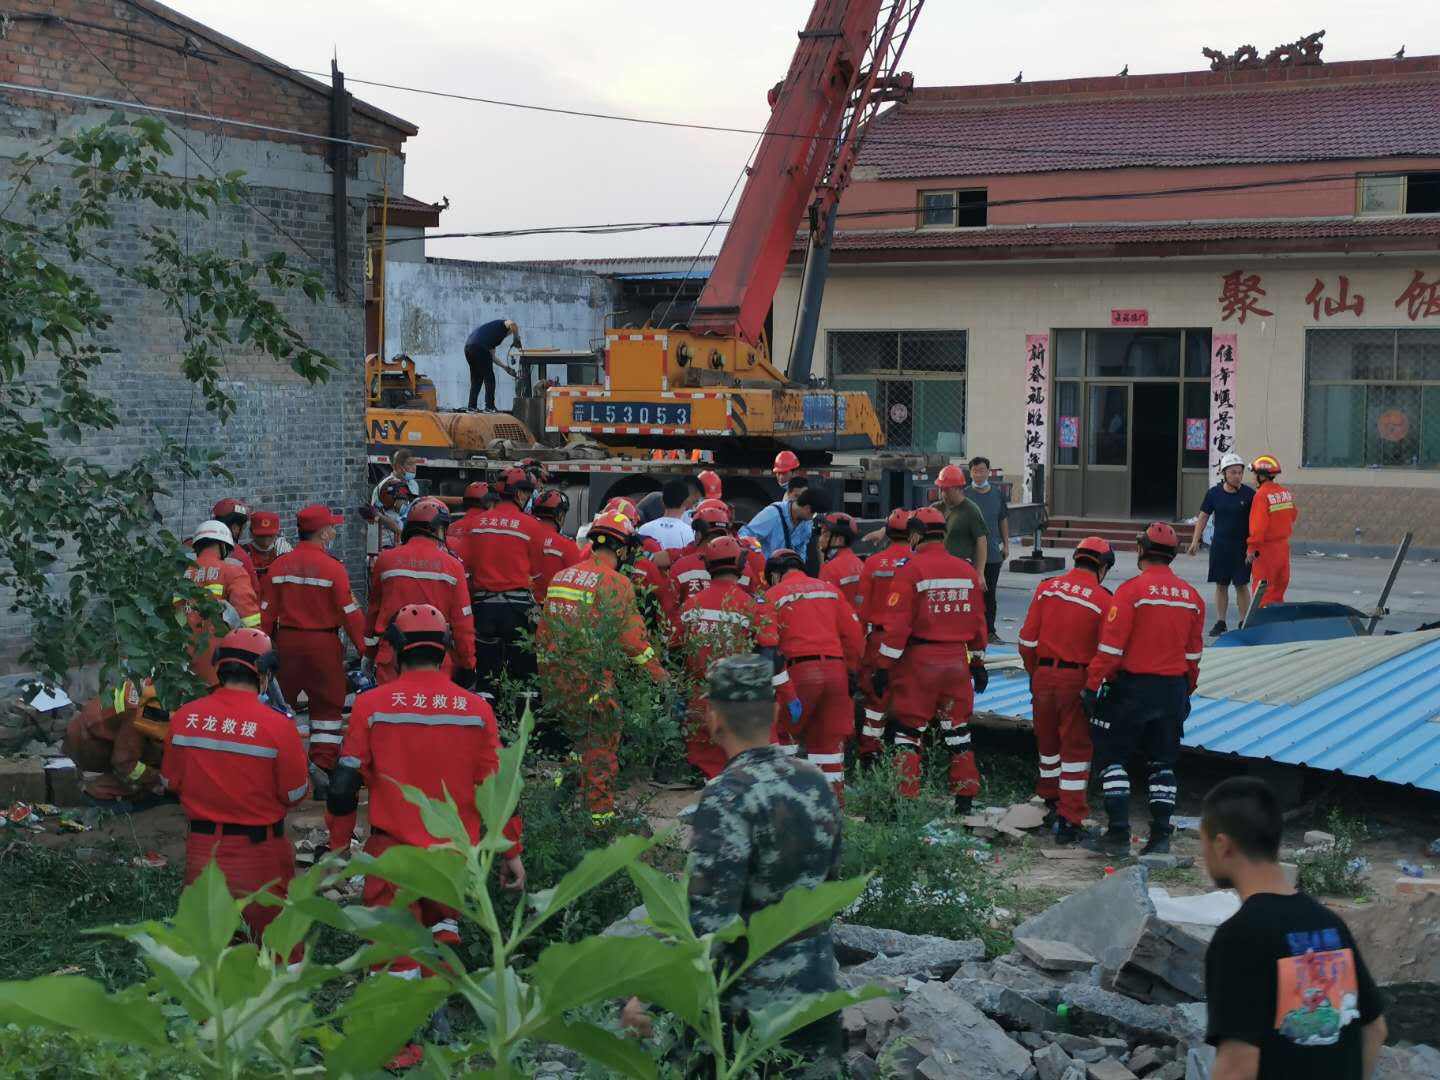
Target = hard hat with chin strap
(1231,459)
(214,530)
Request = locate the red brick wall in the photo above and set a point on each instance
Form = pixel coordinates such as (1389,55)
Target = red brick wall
(231,81)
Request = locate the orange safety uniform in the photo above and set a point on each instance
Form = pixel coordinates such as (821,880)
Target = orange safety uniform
(821,642)
(557,551)
(238,766)
(571,600)
(419,571)
(228,582)
(843,571)
(1057,643)
(118,761)
(1272,520)
(934,623)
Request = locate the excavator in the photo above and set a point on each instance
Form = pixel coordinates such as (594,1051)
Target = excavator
(702,385)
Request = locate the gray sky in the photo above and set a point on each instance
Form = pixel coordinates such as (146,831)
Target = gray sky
(698,62)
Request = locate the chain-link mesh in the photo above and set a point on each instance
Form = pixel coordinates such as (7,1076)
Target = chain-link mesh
(916,378)
(1372,398)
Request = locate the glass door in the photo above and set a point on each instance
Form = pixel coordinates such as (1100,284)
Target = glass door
(1106,470)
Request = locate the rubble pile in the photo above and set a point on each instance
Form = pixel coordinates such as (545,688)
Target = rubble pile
(28,716)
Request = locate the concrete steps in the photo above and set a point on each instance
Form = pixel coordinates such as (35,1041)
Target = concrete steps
(1067,532)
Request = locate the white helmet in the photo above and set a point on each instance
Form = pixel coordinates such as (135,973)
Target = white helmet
(1231,459)
(213,530)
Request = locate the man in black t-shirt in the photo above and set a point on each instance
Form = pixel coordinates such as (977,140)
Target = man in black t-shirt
(1228,504)
(1289,994)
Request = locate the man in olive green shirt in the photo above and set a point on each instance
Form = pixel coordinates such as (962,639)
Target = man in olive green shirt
(966,533)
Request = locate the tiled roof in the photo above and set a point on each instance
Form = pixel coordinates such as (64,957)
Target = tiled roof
(1406,231)
(1245,124)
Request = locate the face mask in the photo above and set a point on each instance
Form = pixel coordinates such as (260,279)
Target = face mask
(981,487)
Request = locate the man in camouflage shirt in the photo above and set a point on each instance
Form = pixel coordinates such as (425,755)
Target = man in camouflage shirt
(765,825)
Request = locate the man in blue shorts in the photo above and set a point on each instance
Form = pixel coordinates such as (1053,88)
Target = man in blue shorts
(1228,502)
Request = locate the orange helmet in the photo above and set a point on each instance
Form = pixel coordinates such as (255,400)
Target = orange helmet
(418,624)
(752,543)
(513,481)
(551,503)
(1266,463)
(475,492)
(710,483)
(1158,541)
(1097,550)
(722,553)
(950,476)
(621,505)
(928,521)
(710,519)
(713,504)
(248,647)
(785,461)
(614,527)
(897,525)
(428,514)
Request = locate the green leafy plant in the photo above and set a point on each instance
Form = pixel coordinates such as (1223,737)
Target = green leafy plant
(81,549)
(228,1009)
(1336,869)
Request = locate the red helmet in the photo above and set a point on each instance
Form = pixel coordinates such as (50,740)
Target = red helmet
(1158,541)
(752,543)
(248,647)
(1265,463)
(392,491)
(841,525)
(710,519)
(429,514)
(722,553)
(950,476)
(234,508)
(928,521)
(897,525)
(476,491)
(418,624)
(713,504)
(1096,549)
(536,469)
(613,526)
(513,481)
(785,461)
(621,505)
(710,483)
(782,561)
(551,503)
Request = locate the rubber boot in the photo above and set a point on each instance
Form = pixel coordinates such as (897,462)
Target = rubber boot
(1112,842)
(1158,842)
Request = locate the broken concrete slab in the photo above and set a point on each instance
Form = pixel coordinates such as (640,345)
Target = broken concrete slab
(939,960)
(1022,816)
(1167,966)
(1319,838)
(1168,861)
(1003,1003)
(1115,1014)
(1145,1060)
(1051,1062)
(1106,920)
(939,1033)
(1419,1062)
(22,780)
(1054,955)
(1409,886)
(855,944)
(1108,1069)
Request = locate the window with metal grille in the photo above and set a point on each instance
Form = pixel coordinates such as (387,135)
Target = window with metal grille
(1372,399)
(916,378)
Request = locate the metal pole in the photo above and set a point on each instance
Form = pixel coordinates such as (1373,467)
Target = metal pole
(812,295)
(1390,582)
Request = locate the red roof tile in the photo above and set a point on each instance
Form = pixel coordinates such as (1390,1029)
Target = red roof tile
(1247,124)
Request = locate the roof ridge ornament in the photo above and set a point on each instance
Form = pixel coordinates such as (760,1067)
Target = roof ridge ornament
(1301,53)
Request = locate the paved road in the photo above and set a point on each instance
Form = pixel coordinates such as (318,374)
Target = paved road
(1356,580)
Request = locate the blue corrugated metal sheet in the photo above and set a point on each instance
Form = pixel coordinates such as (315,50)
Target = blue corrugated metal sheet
(1382,723)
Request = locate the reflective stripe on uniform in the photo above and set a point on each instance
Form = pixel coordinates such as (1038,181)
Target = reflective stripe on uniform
(1073,785)
(351,608)
(715,615)
(137,772)
(1075,600)
(565,592)
(1151,601)
(1112,650)
(780,679)
(812,595)
(350,762)
(445,926)
(1074,766)
(369,641)
(202,743)
(490,530)
(426,719)
(891,653)
(250,620)
(298,793)
(467,610)
(693,575)
(643,657)
(1192,656)
(293,579)
(1029,644)
(851,580)
(419,575)
(874,714)
(328,740)
(944,583)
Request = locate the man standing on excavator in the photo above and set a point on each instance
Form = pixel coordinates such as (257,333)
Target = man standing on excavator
(480,355)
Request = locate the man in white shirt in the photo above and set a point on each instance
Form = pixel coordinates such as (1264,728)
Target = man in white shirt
(671,530)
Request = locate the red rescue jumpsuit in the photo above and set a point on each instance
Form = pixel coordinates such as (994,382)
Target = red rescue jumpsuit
(238,766)
(262,560)
(102,739)
(843,571)
(821,641)
(1057,643)
(241,558)
(877,576)
(422,730)
(934,622)
(688,575)
(228,582)
(1272,520)
(503,549)
(571,600)
(556,552)
(419,571)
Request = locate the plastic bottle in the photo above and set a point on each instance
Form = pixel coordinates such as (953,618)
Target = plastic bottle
(1409,869)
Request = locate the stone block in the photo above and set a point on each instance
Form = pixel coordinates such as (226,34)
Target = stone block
(1054,955)
(855,944)
(1051,1062)
(940,960)
(1110,1013)
(1171,1070)
(1145,1060)
(939,1033)
(65,786)
(1199,1063)
(1417,886)
(1166,967)
(1010,1007)
(1116,1048)
(859,1066)
(1108,1069)
(1106,920)
(22,780)
(1169,861)
(1319,838)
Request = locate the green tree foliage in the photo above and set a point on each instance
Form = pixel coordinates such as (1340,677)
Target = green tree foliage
(82,548)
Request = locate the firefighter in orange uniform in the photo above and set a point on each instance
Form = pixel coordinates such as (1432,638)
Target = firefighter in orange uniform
(265,546)
(228,582)
(1057,643)
(235,514)
(934,639)
(1272,520)
(557,550)
(420,571)
(117,741)
(238,766)
(842,566)
(820,647)
(1147,664)
(877,576)
(598,581)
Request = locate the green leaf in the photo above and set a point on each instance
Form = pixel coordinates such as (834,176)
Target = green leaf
(380,1018)
(593,870)
(667,902)
(70,1003)
(768,1026)
(798,910)
(623,1057)
(440,817)
(208,915)
(569,975)
(499,794)
(438,873)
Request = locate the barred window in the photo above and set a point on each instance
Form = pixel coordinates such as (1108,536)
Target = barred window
(1372,399)
(916,379)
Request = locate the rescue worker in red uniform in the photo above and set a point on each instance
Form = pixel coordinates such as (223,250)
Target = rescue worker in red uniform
(721,620)
(842,566)
(595,587)
(557,550)
(655,593)
(752,578)
(688,573)
(238,766)
(265,546)
(117,741)
(1057,643)
(420,571)
(227,581)
(1138,687)
(933,639)
(477,498)
(1272,520)
(421,730)
(503,552)
(786,466)
(820,647)
(235,514)
(877,576)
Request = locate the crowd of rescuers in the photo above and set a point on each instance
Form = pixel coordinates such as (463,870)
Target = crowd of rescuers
(856,654)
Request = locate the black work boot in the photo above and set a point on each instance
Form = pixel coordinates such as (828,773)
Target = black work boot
(963,804)
(1114,842)
(1158,843)
(1067,835)
(1052,815)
